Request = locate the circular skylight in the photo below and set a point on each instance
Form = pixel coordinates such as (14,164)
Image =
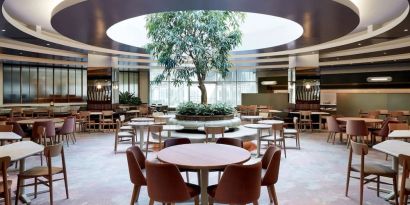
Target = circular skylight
(259,31)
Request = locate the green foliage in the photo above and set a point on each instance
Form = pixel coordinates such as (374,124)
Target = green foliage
(189,44)
(129,98)
(191,108)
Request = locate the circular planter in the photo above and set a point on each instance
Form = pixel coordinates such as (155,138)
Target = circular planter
(204,118)
(194,124)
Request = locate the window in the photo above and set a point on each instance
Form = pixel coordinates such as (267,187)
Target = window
(219,90)
(128,82)
(42,84)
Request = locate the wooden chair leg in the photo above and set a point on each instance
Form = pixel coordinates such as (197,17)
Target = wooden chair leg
(151,202)
(378,186)
(361,188)
(35,187)
(196,200)
(50,183)
(17,191)
(187,176)
(66,185)
(274,197)
(115,144)
(269,194)
(284,146)
(347,183)
(210,201)
(255,203)
(135,194)
(395,189)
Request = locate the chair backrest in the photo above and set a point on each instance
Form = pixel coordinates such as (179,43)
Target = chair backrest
(176,141)
(264,114)
(157,129)
(230,141)
(384,130)
(231,190)
(396,114)
(68,126)
(398,126)
(305,114)
(17,128)
(214,130)
(4,164)
(41,134)
(50,129)
(356,128)
(136,163)
(107,113)
(156,114)
(332,124)
(296,123)
(6,128)
(267,156)
(52,151)
(359,148)
(272,172)
(165,183)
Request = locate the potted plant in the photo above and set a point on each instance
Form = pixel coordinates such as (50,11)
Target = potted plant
(199,112)
(129,99)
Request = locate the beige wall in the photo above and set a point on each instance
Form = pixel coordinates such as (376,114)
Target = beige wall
(144,86)
(278,101)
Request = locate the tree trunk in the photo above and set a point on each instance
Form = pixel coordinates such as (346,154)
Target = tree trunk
(204,95)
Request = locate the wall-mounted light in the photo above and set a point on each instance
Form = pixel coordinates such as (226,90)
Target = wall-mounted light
(269,83)
(379,79)
(99,86)
(308,86)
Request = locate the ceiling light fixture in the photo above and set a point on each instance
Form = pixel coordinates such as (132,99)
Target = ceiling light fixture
(379,79)
(405,30)
(308,86)
(3,30)
(359,44)
(47,44)
(269,83)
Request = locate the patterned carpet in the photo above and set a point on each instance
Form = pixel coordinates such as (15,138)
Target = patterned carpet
(314,175)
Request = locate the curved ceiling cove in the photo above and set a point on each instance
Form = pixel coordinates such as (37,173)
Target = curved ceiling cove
(88,21)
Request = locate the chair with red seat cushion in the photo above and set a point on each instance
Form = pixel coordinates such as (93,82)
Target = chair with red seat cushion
(231,190)
(165,184)
(272,172)
(136,165)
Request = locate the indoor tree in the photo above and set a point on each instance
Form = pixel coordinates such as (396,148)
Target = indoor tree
(189,44)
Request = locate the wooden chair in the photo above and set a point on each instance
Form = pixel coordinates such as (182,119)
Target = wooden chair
(108,119)
(397,114)
(165,184)
(90,123)
(366,170)
(122,136)
(67,130)
(293,133)
(82,119)
(28,113)
(275,139)
(230,141)
(334,128)
(45,175)
(123,127)
(213,130)
(375,114)
(50,133)
(230,190)
(306,120)
(157,130)
(16,112)
(144,111)
(272,172)
(136,165)
(383,132)
(5,185)
(398,126)
(6,128)
(405,181)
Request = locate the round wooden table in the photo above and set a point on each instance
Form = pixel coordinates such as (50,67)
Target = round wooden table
(203,157)
(367,120)
(271,122)
(32,121)
(259,127)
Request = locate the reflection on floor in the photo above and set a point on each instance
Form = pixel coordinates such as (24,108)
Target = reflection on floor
(315,174)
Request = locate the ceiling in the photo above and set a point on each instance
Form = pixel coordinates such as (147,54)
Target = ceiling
(342,32)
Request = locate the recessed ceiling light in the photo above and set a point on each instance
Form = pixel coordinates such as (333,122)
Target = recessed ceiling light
(3,30)
(359,44)
(47,44)
(405,30)
(20,53)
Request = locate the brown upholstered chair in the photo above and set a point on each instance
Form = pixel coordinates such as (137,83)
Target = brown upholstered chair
(272,172)
(165,184)
(230,141)
(121,136)
(231,190)
(18,129)
(368,169)
(356,128)
(176,141)
(45,175)
(5,185)
(383,132)
(136,165)
(50,133)
(334,128)
(211,130)
(277,140)
(157,130)
(405,181)
(67,130)
(398,115)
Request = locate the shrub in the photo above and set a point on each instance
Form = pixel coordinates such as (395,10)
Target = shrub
(129,98)
(190,108)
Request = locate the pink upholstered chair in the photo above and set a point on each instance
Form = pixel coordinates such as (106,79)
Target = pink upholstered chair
(50,131)
(67,130)
(356,128)
(334,128)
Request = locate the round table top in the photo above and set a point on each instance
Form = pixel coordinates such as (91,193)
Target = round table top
(32,121)
(142,119)
(172,127)
(367,120)
(258,126)
(251,117)
(95,113)
(132,111)
(203,156)
(203,128)
(314,113)
(165,116)
(275,111)
(271,122)
(141,123)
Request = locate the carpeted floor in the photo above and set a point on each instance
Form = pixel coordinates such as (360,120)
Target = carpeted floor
(314,175)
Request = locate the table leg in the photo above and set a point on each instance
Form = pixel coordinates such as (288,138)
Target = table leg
(141,137)
(258,149)
(22,196)
(204,185)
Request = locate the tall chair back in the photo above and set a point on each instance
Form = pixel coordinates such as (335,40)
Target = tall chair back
(356,128)
(50,129)
(230,190)
(176,141)
(333,125)
(398,126)
(68,126)
(230,141)
(272,172)
(136,163)
(214,130)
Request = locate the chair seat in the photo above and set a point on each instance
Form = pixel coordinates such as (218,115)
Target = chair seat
(40,171)
(290,131)
(193,190)
(8,185)
(376,169)
(126,128)
(125,134)
(272,138)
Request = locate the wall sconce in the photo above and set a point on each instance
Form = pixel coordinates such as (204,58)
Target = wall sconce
(308,86)
(269,83)
(379,79)
(115,85)
(99,86)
